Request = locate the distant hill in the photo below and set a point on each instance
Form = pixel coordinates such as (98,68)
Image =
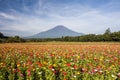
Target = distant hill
(56,32)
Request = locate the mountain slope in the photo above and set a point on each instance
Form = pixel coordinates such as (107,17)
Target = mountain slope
(56,32)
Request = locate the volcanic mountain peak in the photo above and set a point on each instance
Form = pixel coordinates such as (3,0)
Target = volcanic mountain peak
(56,32)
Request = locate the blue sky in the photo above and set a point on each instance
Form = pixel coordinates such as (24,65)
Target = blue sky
(28,17)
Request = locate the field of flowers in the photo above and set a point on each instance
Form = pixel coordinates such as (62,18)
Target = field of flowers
(59,61)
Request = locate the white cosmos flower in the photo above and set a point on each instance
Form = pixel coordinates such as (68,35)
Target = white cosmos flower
(101,71)
(39,72)
(95,70)
(74,76)
(37,68)
(52,69)
(113,76)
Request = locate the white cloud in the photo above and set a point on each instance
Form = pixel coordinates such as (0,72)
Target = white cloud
(7,16)
(79,18)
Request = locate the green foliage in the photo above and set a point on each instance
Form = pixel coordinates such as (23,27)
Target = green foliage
(4,39)
(115,36)
(108,31)
(1,35)
(15,39)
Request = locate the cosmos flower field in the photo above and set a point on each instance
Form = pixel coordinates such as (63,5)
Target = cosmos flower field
(60,61)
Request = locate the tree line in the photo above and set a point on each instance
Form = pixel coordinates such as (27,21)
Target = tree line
(12,39)
(106,37)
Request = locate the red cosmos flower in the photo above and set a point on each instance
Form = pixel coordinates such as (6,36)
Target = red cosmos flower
(52,55)
(39,64)
(94,70)
(75,67)
(115,58)
(50,66)
(15,70)
(18,70)
(54,71)
(29,72)
(21,75)
(68,64)
(64,73)
(29,62)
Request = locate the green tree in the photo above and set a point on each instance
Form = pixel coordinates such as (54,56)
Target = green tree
(1,35)
(108,31)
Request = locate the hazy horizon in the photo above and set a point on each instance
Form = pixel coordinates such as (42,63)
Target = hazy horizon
(28,17)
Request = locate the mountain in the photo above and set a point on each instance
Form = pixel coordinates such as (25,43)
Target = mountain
(56,32)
